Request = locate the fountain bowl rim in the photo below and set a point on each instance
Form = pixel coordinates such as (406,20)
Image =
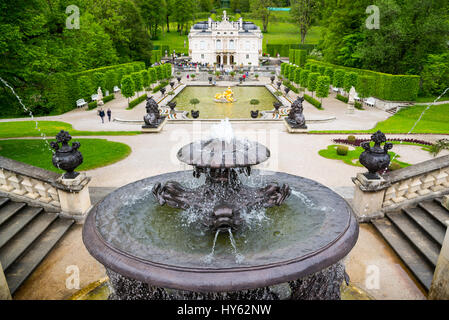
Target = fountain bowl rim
(217,280)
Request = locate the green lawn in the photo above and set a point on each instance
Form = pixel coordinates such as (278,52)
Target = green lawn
(16,129)
(435,120)
(281,29)
(96,153)
(352,158)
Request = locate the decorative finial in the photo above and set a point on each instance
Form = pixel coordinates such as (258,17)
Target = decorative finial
(375,158)
(66,157)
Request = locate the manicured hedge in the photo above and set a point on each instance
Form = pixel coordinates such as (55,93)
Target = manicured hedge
(135,102)
(108,98)
(61,90)
(313,101)
(383,86)
(342,98)
(284,48)
(92,105)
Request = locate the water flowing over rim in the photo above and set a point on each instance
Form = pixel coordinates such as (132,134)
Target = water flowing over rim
(219,279)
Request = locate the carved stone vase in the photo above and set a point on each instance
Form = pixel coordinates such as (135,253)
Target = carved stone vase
(66,157)
(375,158)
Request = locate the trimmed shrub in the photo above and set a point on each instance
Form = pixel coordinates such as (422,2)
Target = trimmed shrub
(342,98)
(330,73)
(321,70)
(297,79)
(322,87)
(145,78)
(342,150)
(312,81)
(300,57)
(304,77)
(387,86)
(108,98)
(92,105)
(135,102)
(314,68)
(339,78)
(351,139)
(313,101)
(159,72)
(350,81)
(110,80)
(152,75)
(283,66)
(137,79)
(127,87)
(358,105)
(291,73)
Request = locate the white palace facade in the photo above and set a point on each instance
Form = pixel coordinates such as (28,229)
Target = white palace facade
(225,42)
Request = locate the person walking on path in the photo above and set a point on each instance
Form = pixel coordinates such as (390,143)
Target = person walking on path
(109,112)
(101,114)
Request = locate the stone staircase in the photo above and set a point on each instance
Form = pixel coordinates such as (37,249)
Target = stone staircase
(27,235)
(416,235)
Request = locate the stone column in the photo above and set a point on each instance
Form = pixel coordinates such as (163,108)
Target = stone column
(4,289)
(368,197)
(74,197)
(439,290)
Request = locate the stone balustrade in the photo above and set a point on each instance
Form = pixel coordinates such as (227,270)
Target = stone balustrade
(396,189)
(47,189)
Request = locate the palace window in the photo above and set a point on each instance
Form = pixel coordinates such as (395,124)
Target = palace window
(218,44)
(231,44)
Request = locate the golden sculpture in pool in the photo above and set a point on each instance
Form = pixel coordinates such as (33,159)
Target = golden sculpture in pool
(226,97)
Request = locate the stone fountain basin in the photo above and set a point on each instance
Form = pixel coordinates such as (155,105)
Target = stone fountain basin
(119,248)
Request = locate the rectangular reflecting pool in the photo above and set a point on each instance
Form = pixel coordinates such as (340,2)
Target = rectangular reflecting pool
(239,109)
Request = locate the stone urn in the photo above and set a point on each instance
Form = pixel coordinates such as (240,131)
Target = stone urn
(179,80)
(375,158)
(287,90)
(172,105)
(195,114)
(276,106)
(210,80)
(279,83)
(66,157)
(172,84)
(254,114)
(272,78)
(163,91)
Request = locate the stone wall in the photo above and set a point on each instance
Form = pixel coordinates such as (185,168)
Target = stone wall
(43,188)
(400,188)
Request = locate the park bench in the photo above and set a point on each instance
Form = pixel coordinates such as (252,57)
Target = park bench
(80,103)
(94,97)
(335,89)
(370,102)
(356,97)
(116,89)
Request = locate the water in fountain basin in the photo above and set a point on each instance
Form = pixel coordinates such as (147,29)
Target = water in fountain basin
(138,224)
